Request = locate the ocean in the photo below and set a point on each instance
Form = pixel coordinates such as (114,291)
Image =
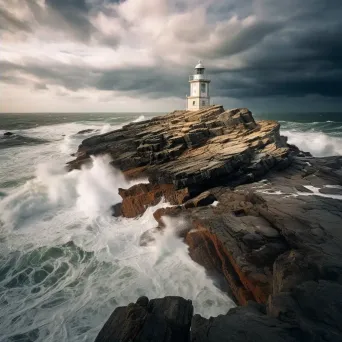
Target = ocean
(65,262)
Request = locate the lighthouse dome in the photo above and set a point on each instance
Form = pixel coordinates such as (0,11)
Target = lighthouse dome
(199,65)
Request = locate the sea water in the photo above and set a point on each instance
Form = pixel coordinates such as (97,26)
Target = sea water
(65,262)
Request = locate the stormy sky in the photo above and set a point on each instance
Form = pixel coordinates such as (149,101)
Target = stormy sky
(136,55)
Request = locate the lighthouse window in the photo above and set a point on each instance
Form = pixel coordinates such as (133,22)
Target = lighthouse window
(193,103)
(203,103)
(203,87)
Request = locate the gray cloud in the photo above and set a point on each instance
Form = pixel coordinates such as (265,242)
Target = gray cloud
(289,49)
(75,15)
(244,39)
(8,22)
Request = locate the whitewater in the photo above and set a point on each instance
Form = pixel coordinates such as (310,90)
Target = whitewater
(65,262)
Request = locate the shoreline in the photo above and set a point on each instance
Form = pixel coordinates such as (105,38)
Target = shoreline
(271,237)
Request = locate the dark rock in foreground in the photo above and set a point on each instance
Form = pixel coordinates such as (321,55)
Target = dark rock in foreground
(288,317)
(164,320)
(8,134)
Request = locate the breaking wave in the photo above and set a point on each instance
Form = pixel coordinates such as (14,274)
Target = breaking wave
(318,144)
(66,263)
(140,118)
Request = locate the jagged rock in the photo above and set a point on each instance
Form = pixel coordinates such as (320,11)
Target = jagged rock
(166,319)
(311,313)
(86,131)
(274,232)
(242,324)
(136,199)
(314,307)
(205,198)
(268,237)
(116,210)
(169,211)
(193,149)
(10,139)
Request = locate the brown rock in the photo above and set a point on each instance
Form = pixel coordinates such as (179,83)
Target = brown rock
(169,211)
(136,199)
(198,150)
(209,252)
(267,238)
(138,172)
(205,198)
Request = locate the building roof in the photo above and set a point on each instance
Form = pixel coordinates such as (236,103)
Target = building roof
(199,65)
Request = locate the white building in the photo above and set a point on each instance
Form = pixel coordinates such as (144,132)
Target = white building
(199,89)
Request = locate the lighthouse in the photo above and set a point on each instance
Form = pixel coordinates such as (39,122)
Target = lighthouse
(199,89)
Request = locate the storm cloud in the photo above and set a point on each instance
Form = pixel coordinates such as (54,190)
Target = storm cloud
(254,50)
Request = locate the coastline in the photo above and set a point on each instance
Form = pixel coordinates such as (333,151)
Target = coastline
(272,233)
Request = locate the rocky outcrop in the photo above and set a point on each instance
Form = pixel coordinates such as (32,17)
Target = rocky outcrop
(136,199)
(197,150)
(260,212)
(86,131)
(288,317)
(10,139)
(271,236)
(189,150)
(164,320)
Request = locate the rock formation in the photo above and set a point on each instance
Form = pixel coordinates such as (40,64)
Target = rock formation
(265,215)
(86,131)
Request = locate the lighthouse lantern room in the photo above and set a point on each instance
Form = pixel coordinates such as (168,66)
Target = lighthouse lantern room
(199,89)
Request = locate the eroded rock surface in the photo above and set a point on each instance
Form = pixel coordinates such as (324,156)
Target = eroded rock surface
(262,213)
(193,149)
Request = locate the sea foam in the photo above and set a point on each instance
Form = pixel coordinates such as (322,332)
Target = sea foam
(317,143)
(67,263)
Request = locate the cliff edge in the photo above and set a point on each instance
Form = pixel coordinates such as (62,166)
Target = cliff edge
(263,214)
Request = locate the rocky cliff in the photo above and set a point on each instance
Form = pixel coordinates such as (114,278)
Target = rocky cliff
(265,215)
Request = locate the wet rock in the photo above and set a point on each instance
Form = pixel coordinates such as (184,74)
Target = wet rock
(310,313)
(295,150)
(274,240)
(234,117)
(116,209)
(169,211)
(242,324)
(86,131)
(205,198)
(314,307)
(334,190)
(291,269)
(165,319)
(10,139)
(136,199)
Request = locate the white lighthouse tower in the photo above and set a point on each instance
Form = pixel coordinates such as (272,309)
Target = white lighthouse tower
(199,89)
